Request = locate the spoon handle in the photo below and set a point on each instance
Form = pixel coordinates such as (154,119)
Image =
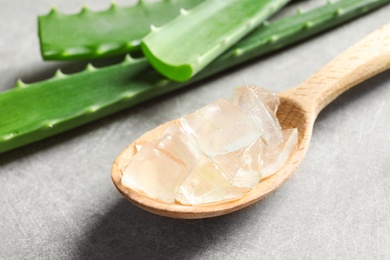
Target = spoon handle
(368,57)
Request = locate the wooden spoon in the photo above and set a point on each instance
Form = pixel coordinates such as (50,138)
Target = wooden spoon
(298,109)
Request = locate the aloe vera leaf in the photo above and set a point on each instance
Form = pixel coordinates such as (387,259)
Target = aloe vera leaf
(292,29)
(116,30)
(188,43)
(31,112)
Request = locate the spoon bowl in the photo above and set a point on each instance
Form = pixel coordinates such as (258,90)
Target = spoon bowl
(299,107)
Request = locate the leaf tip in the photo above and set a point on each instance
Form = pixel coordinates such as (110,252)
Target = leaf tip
(49,123)
(162,83)
(250,23)
(127,95)
(8,136)
(112,8)
(133,43)
(114,4)
(339,12)
(273,38)
(183,11)
(238,52)
(93,109)
(128,58)
(90,67)
(20,84)
(308,24)
(83,10)
(154,28)
(53,10)
(59,74)
(224,42)
(107,48)
(198,59)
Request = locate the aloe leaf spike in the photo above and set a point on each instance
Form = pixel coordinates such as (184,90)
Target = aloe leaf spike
(45,108)
(188,43)
(115,31)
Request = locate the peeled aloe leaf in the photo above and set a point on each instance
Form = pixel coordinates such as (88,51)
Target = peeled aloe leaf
(188,43)
(31,112)
(117,30)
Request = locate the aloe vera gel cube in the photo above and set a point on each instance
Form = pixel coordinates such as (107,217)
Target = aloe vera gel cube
(181,145)
(276,156)
(243,166)
(155,172)
(260,105)
(220,128)
(206,184)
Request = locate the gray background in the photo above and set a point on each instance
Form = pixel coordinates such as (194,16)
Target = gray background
(57,200)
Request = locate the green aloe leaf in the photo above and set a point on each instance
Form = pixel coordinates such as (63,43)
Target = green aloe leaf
(35,111)
(188,43)
(116,30)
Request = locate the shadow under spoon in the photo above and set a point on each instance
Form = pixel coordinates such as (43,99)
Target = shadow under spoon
(299,109)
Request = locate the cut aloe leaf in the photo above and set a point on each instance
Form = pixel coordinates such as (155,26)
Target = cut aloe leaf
(188,43)
(116,30)
(292,29)
(31,112)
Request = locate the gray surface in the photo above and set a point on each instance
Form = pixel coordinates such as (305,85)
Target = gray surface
(57,200)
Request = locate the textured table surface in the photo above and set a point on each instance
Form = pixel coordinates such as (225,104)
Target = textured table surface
(57,200)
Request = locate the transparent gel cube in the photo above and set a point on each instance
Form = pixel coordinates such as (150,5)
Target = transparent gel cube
(181,145)
(269,98)
(276,156)
(242,167)
(220,128)
(156,173)
(206,184)
(260,105)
